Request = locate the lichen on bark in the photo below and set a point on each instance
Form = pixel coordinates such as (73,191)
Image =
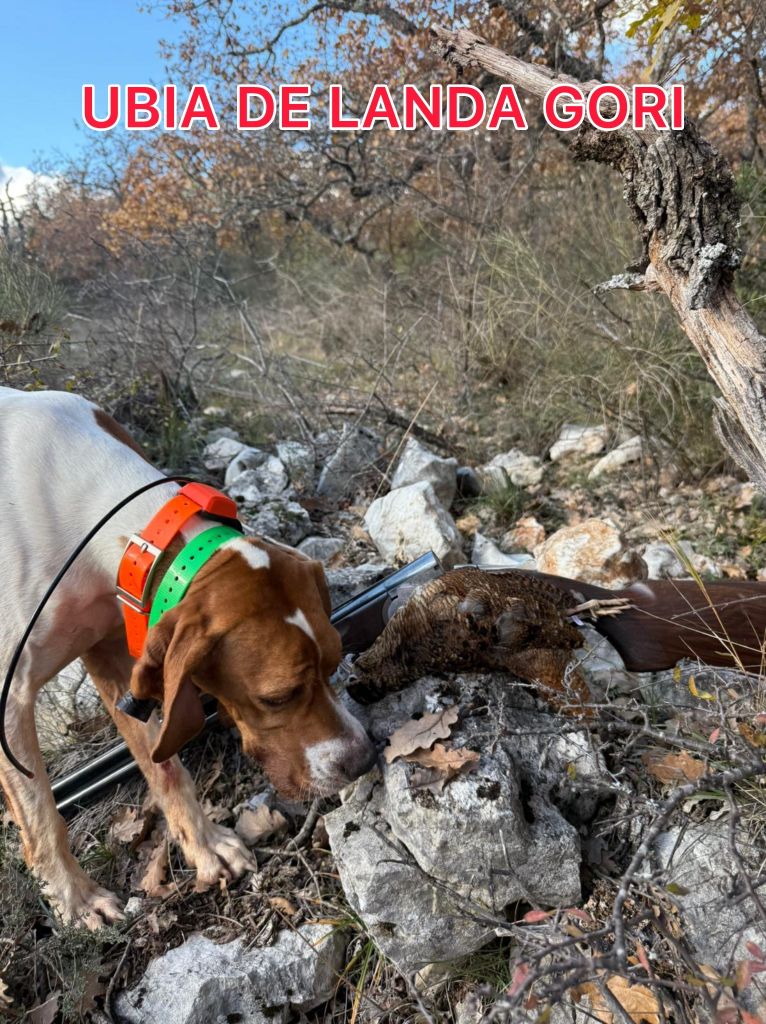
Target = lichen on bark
(682,195)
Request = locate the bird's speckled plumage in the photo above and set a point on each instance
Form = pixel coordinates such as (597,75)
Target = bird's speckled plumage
(470,620)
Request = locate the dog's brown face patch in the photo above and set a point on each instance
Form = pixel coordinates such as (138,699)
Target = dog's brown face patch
(253,630)
(119,433)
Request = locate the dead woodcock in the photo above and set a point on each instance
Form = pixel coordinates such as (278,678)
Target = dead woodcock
(471,620)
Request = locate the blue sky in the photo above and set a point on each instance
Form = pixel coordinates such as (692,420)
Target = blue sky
(48,48)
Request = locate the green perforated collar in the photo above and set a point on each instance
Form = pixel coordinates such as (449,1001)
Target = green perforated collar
(185,567)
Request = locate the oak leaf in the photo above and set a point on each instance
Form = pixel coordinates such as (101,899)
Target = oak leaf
(638,1001)
(92,989)
(5,999)
(439,766)
(680,767)
(46,1012)
(155,859)
(420,733)
(283,906)
(127,824)
(259,823)
(449,760)
(754,737)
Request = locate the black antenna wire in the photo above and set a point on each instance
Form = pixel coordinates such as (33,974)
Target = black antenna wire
(5,694)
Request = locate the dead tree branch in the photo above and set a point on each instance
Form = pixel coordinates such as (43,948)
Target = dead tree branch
(681,194)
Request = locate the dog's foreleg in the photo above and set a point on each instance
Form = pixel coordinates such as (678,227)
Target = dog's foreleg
(75,897)
(214,851)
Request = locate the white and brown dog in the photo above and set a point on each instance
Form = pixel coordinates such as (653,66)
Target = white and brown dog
(252,629)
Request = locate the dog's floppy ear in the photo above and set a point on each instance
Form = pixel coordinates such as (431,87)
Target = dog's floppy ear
(317,570)
(175,648)
(321,581)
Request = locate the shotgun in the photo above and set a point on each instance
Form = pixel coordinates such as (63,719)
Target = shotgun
(721,623)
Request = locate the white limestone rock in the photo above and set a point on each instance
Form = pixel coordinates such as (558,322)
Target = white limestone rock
(514,466)
(576,442)
(411,520)
(418,463)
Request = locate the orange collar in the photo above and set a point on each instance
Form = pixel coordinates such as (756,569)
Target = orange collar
(143,553)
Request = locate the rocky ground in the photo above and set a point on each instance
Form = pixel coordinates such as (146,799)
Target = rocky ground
(518,864)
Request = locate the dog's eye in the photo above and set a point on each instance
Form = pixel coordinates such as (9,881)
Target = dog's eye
(279,702)
(275,702)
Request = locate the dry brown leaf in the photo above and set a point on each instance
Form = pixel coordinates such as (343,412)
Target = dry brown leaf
(754,738)
(214,812)
(638,1001)
(680,767)
(126,825)
(92,988)
(727,1011)
(256,824)
(439,766)
(420,733)
(46,1012)
(5,999)
(160,920)
(445,759)
(155,855)
(283,906)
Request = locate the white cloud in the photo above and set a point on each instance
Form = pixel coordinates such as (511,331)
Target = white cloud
(16,182)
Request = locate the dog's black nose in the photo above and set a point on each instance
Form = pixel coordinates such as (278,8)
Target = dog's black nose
(360,761)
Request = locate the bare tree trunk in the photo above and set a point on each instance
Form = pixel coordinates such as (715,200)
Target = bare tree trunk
(681,194)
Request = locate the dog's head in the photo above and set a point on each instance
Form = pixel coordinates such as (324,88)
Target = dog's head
(254,631)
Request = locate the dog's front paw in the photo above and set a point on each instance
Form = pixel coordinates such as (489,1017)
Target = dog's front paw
(77,900)
(218,854)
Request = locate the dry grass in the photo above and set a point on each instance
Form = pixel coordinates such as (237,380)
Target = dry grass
(501,338)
